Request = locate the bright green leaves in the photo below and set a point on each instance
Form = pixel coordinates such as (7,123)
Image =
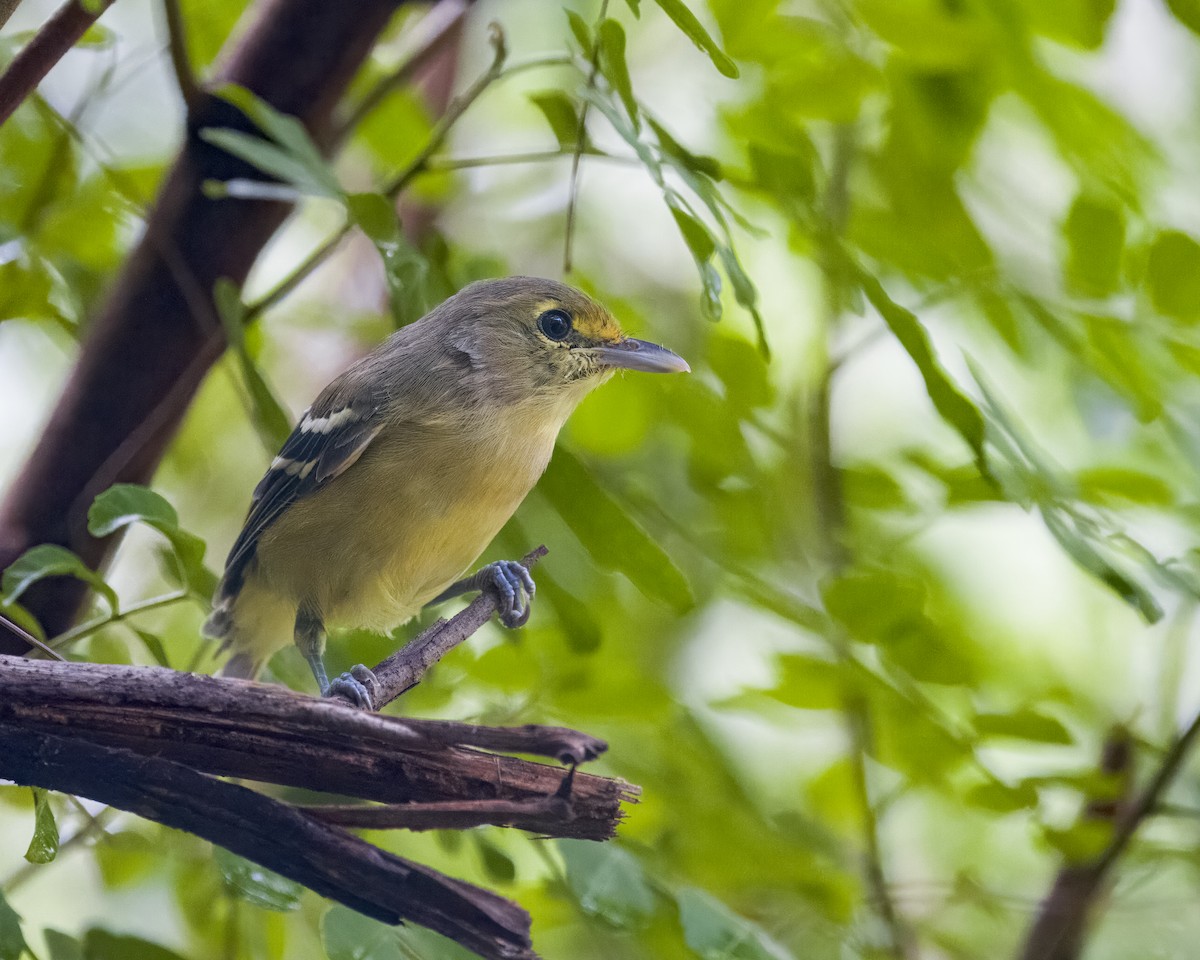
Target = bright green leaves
(126,503)
(1095,236)
(43,845)
(12,940)
(1026,724)
(50,560)
(1186,12)
(405,271)
(256,884)
(686,21)
(1173,276)
(610,534)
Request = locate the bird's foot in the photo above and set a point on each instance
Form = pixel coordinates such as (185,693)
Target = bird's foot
(512,586)
(358,686)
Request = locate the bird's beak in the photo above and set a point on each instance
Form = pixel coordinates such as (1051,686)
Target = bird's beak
(631,354)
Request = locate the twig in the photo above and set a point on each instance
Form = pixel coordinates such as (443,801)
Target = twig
(17,630)
(181,63)
(523,814)
(441,24)
(403,669)
(58,35)
(580,140)
(68,637)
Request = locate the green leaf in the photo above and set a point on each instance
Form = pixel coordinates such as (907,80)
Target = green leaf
(810,683)
(579,627)
(560,113)
(497,864)
(348,935)
(154,645)
(289,154)
(580,30)
(696,235)
(715,932)
(674,150)
(1095,235)
(614,67)
(614,540)
(43,846)
(1023,724)
(686,21)
(1123,484)
(271,421)
(871,601)
(1001,798)
(405,269)
(62,946)
(12,940)
(125,503)
(608,882)
(50,560)
(1173,275)
(101,945)
(257,885)
(1186,12)
(951,404)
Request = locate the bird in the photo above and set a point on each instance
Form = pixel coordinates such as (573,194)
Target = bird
(407,465)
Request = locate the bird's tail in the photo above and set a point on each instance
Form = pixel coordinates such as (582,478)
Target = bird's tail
(251,623)
(244,666)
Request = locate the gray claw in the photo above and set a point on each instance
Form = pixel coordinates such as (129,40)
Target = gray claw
(358,686)
(514,589)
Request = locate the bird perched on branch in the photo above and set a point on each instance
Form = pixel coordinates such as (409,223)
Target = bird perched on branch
(408,464)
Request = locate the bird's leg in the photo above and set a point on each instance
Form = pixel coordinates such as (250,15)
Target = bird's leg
(359,685)
(508,581)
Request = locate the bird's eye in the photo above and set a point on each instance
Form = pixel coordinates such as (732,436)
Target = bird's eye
(555,324)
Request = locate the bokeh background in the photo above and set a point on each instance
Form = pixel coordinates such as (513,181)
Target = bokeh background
(862,604)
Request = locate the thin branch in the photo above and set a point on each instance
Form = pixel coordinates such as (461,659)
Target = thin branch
(440,26)
(522,814)
(404,669)
(58,35)
(17,630)
(181,63)
(580,141)
(68,637)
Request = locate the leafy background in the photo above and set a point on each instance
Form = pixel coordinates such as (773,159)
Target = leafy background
(859,604)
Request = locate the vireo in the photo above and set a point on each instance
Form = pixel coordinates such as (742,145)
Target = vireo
(408,464)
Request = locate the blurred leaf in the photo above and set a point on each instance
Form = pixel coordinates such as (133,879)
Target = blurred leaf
(126,503)
(348,935)
(1186,12)
(1105,484)
(1095,234)
(101,945)
(614,540)
(871,601)
(1023,724)
(686,21)
(43,846)
(405,269)
(255,884)
(61,946)
(580,627)
(580,30)
(51,560)
(1001,798)
(810,683)
(559,111)
(12,940)
(497,864)
(270,419)
(676,151)
(951,404)
(715,932)
(608,882)
(613,65)
(1173,275)
(1083,842)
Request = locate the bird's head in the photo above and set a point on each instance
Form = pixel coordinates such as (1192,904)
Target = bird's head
(529,337)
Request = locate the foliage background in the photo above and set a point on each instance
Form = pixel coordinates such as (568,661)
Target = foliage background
(860,617)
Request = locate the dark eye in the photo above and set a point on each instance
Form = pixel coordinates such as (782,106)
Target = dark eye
(555,324)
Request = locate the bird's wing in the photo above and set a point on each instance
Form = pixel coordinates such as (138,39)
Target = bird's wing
(331,436)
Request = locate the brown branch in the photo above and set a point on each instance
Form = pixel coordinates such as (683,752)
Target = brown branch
(1059,929)
(58,35)
(273,834)
(525,815)
(147,351)
(7,9)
